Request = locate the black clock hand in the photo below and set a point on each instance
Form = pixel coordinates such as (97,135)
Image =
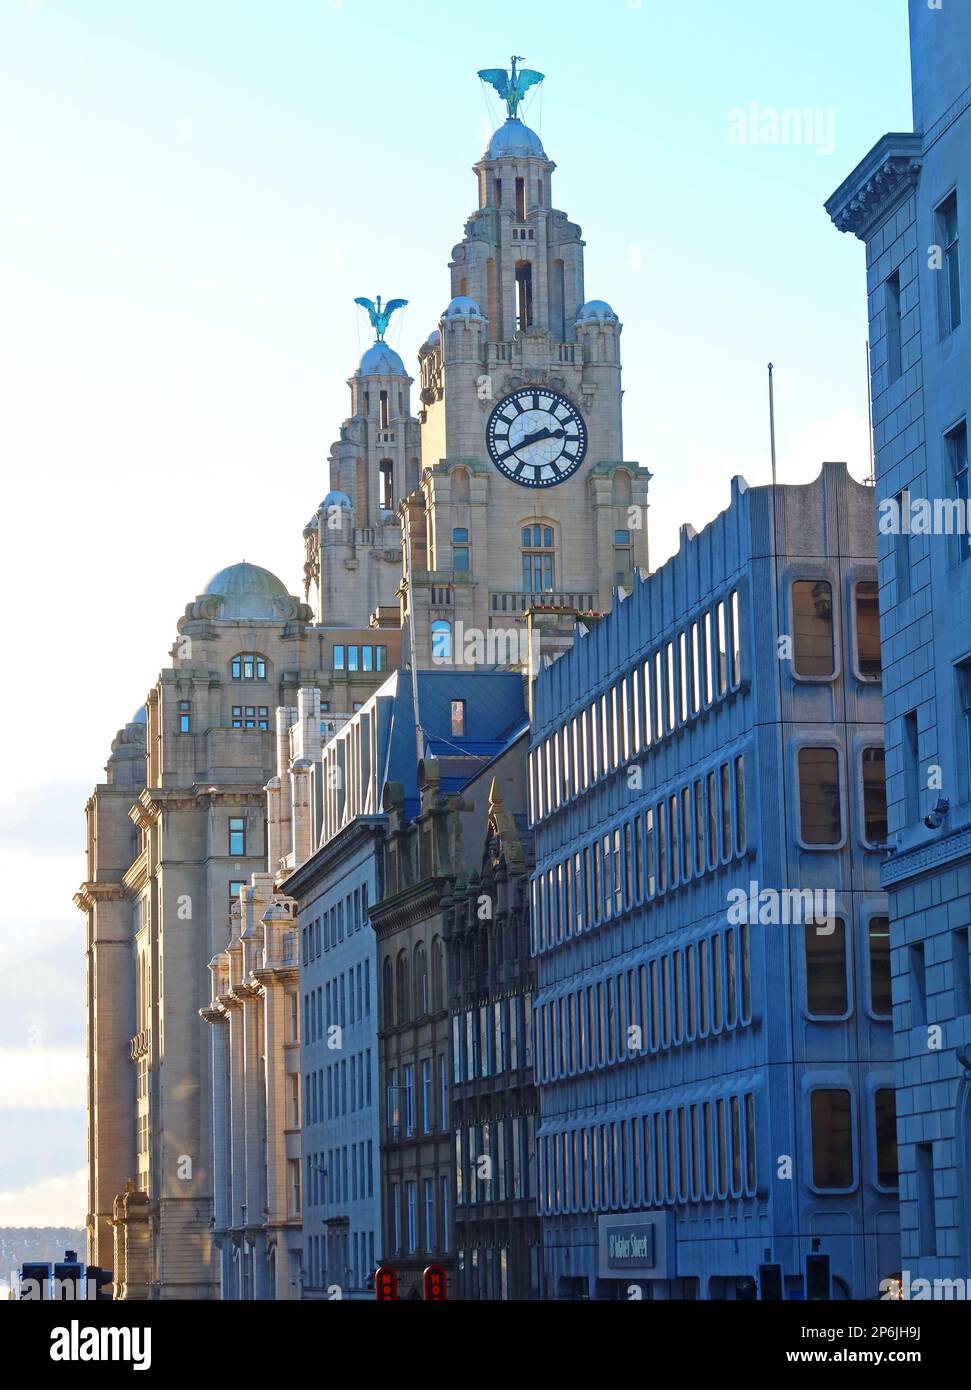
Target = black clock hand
(540,434)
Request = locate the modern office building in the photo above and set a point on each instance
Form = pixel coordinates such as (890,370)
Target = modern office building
(906,202)
(712,1026)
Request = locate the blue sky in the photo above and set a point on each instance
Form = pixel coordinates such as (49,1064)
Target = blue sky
(191,195)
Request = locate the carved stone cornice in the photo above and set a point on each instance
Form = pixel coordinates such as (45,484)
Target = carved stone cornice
(912,863)
(89,894)
(877,184)
(155,800)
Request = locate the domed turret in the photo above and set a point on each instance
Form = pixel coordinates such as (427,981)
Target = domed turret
(462,307)
(247,591)
(513,140)
(598,310)
(381,360)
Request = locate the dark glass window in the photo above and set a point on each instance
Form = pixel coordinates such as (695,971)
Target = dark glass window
(868,661)
(820,815)
(832,1138)
(826,993)
(812,613)
(886,1120)
(880,995)
(874,796)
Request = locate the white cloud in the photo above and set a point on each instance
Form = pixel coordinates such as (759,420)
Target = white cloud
(60,1201)
(42,1078)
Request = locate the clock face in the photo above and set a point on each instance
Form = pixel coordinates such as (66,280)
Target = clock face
(536,437)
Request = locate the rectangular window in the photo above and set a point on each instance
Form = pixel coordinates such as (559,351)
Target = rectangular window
(722,649)
(891,303)
(869,664)
(820,814)
(926,1205)
(339,657)
(185,716)
(458,718)
(740,840)
(885,1104)
(901,547)
(874,796)
(826,987)
(812,617)
(946,219)
(429,1191)
(832,1139)
(956,448)
(879,938)
(237,835)
(961,972)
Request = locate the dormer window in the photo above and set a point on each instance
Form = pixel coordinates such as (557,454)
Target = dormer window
(248,667)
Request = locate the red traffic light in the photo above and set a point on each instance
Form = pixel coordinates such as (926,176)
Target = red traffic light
(385,1284)
(435,1284)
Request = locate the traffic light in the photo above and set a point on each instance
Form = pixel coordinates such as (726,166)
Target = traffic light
(385,1284)
(771,1286)
(818,1287)
(101,1280)
(435,1284)
(35,1281)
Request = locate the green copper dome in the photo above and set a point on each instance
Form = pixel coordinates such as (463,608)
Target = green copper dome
(247,591)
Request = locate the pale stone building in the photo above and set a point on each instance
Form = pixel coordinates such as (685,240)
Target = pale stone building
(175,836)
(525,497)
(353,540)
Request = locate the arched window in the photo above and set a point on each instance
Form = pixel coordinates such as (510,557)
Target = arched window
(460,485)
(420,972)
(248,666)
(387,992)
(438,974)
(539,570)
(441,640)
(621,491)
(401,988)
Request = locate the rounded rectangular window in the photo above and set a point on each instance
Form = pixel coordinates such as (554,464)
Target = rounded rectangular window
(820,810)
(869,663)
(881,1001)
(831,1114)
(826,985)
(885,1104)
(874,796)
(812,617)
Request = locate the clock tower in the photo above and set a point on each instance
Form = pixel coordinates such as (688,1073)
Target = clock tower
(525,498)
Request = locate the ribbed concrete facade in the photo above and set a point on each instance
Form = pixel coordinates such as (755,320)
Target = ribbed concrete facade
(714,1065)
